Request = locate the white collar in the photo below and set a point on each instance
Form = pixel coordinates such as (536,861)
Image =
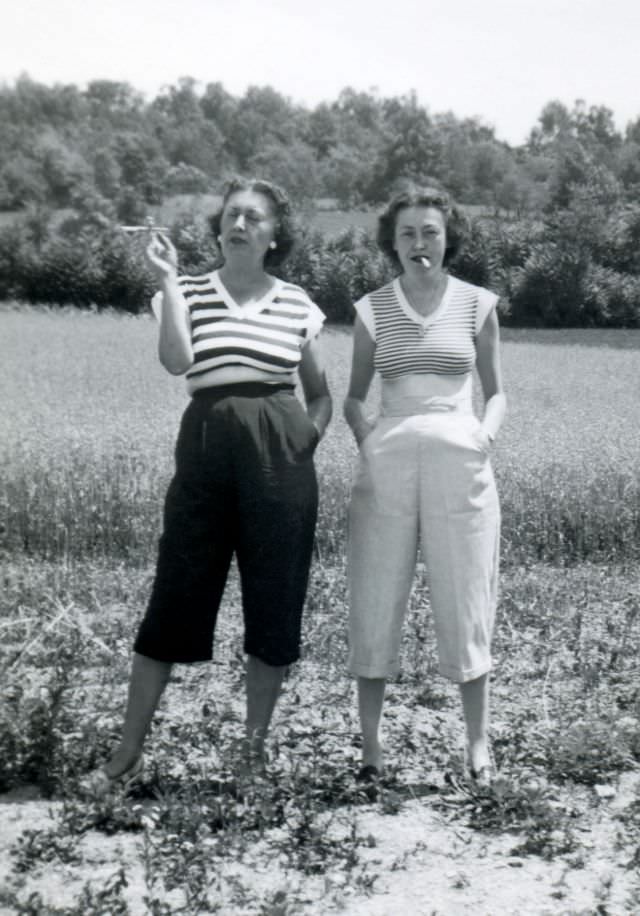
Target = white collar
(410,312)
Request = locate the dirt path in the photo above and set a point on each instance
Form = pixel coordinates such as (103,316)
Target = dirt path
(421,861)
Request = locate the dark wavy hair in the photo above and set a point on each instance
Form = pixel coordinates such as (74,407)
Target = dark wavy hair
(285,226)
(415,196)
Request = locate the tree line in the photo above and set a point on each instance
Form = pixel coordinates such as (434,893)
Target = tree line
(558,233)
(63,142)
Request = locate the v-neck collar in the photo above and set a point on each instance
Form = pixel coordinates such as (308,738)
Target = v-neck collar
(251,308)
(424,320)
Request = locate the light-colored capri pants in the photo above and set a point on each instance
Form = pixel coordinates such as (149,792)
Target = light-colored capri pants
(423,473)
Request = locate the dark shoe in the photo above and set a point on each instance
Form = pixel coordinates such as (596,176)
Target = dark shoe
(368,774)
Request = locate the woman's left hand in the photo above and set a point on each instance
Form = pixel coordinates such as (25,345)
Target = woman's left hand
(485,439)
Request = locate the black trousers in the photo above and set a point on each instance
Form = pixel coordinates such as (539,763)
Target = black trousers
(245,484)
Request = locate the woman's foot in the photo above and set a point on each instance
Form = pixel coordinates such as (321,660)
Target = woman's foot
(372,762)
(484,777)
(368,774)
(251,760)
(480,765)
(113,777)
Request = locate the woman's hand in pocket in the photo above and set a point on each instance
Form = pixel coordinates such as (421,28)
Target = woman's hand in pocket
(484,439)
(363,432)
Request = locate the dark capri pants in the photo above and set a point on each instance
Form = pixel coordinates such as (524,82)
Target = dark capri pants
(244,483)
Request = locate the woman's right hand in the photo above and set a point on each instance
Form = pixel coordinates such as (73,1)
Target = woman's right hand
(162,256)
(362,432)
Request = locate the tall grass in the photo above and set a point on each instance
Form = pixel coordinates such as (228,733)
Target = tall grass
(89,419)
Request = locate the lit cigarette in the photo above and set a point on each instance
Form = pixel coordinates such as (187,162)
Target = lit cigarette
(144,228)
(425,262)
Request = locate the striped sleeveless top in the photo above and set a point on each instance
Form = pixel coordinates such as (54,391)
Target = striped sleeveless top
(442,343)
(260,341)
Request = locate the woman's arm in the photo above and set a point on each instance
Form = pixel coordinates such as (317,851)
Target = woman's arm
(362,370)
(489,370)
(174,344)
(314,384)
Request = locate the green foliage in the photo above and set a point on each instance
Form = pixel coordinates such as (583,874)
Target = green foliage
(561,246)
(188,138)
(337,271)
(206,835)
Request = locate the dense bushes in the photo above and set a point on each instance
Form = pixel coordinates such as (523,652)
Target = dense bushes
(76,271)
(577,267)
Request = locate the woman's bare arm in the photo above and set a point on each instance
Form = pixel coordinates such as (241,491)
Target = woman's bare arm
(362,370)
(314,384)
(490,372)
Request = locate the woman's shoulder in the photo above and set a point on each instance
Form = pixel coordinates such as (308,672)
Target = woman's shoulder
(484,300)
(197,281)
(380,295)
(287,288)
(467,287)
(295,298)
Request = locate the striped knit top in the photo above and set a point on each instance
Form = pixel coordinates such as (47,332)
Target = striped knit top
(442,343)
(260,341)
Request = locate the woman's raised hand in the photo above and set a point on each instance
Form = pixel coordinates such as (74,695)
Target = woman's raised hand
(162,256)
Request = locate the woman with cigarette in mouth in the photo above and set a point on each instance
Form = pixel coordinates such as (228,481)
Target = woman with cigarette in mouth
(424,477)
(244,481)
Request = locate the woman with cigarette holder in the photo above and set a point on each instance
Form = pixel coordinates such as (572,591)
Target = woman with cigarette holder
(244,482)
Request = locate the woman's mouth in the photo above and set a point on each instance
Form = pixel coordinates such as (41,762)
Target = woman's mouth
(421,259)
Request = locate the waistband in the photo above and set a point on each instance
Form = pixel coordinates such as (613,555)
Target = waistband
(241,390)
(412,406)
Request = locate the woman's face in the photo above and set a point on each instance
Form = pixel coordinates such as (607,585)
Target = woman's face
(247,226)
(420,232)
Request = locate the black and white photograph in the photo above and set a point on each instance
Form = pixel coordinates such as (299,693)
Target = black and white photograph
(320,458)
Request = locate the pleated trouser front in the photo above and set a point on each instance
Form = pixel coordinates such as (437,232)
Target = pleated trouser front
(423,480)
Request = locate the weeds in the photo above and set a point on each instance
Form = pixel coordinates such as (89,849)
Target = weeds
(567,700)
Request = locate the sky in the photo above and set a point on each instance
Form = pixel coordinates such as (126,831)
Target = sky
(498,60)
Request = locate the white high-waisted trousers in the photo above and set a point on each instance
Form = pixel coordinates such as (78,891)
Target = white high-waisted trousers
(423,474)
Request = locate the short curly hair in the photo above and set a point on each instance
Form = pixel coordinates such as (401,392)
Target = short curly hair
(412,195)
(284,237)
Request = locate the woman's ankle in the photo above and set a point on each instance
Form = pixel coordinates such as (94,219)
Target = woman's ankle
(479,754)
(372,754)
(122,760)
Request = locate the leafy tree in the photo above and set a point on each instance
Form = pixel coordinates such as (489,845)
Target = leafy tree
(21,183)
(115,104)
(410,148)
(294,168)
(186,179)
(220,108)
(627,167)
(107,172)
(63,170)
(321,132)
(142,164)
(263,118)
(346,175)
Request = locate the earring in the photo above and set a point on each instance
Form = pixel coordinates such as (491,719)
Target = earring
(219,239)
(273,245)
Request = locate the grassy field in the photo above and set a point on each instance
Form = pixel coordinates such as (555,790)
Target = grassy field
(86,436)
(86,443)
